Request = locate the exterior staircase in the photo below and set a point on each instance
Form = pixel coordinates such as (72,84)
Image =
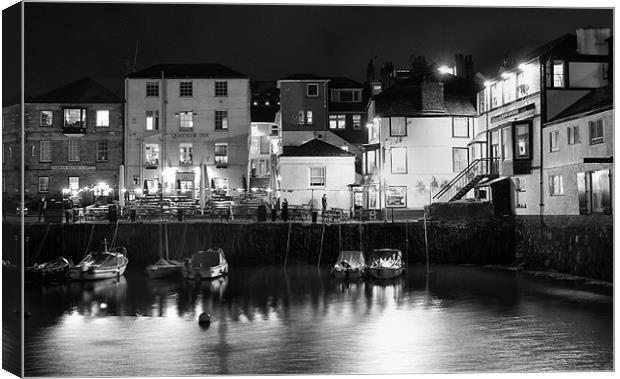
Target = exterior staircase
(478,170)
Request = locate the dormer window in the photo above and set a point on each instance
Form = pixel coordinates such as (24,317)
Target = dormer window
(312,90)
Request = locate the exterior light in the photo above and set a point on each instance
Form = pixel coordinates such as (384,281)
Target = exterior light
(267,103)
(445,70)
(74,193)
(240,189)
(65,191)
(487,83)
(522,66)
(255,103)
(138,191)
(269,190)
(254,189)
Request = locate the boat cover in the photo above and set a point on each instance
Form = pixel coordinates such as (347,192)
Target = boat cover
(208,258)
(351,258)
(386,258)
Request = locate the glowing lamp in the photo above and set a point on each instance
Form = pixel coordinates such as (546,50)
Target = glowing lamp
(506,75)
(445,70)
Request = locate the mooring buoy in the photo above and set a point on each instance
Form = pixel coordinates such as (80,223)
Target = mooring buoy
(204,319)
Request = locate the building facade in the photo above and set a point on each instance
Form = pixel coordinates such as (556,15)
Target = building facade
(314,169)
(265,146)
(418,137)
(73,144)
(188,128)
(514,106)
(578,154)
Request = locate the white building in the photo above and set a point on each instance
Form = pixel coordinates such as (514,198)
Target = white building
(314,169)
(265,145)
(186,124)
(418,137)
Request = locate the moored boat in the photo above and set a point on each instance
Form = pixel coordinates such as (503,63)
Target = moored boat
(350,264)
(207,264)
(164,268)
(101,265)
(55,270)
(385,263)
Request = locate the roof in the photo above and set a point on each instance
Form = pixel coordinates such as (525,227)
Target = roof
(405,97)
(189,70)
(564,45)
(316,148)
(84,90)
(342,82)
(600,98)
(303,77)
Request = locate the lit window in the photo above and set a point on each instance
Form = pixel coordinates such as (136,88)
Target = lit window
(522,137)
(309,117)
(103,118)
(482,102)
(312,90)
(151,154)
(508,85)
(274,130)
(186,119)
(46,118)
(397,127)
(596,131)
(221,120)
(558,74)
(221,89)
(44,184)
(73,150)
(221,154)
(264,145)
(305,117)
(460,127)
(317,176)
(399,160)
(357,121)
(554,137)
(45,151)
(556,185)
(74,183)
(152,89)
(220,183)
(102,151)
(185,150)
(506,143)
(345,148)
(460,158)
(152,120)
(573,135)
(75,118)
(337,121)
(522,88)
(186,89)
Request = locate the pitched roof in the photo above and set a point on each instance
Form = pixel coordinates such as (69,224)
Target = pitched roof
(84,90)
(189,70)
(405,97)
(304,77)
(315,148)
(600,98)
(342,82)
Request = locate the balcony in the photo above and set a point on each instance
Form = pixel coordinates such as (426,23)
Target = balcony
(74,130)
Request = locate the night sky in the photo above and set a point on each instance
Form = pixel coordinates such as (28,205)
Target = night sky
(65,42)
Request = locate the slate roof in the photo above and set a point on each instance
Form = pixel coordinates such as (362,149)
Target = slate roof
(84,90)
(189,70)
(405,98)
(315,148)
(600,98)
(342,82)
(304,77)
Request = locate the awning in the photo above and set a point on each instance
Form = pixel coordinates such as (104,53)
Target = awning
(487,183)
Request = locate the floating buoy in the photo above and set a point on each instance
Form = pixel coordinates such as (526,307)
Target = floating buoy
(204,319)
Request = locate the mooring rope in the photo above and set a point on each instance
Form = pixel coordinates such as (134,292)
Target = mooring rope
(288,243)
(339,237)
(41,244)
(90,240)
(182,244)
(113,243)
(321,248)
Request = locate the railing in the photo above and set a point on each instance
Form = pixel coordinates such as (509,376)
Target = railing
(481,166)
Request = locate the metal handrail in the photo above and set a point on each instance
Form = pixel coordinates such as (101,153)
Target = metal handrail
(472,167)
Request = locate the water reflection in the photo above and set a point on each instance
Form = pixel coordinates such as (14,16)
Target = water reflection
(269,320)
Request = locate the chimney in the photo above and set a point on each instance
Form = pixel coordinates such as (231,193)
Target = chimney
(419,66)
(432,95)
(593,41)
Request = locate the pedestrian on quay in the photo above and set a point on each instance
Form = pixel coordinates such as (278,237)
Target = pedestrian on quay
(284,210)
(42,208)
(324,202)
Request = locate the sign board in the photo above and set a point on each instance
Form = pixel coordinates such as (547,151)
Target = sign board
(74,168)
(513,112)
(396,197)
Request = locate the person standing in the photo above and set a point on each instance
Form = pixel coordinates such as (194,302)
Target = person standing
(324,202)
(42,208)
(284,210)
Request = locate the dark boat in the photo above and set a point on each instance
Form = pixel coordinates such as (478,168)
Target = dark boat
(55,270)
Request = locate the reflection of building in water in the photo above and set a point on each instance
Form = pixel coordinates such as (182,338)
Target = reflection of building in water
(99,297)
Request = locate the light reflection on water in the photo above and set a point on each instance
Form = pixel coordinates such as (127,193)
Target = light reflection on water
(268,321)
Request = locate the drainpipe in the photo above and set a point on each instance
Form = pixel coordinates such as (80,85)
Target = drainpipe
(543,119)
(125,132)
(162,118)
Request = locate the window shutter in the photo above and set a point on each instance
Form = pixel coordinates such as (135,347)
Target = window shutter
(605,191)
(581,190)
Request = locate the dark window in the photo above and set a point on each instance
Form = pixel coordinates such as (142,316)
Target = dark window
(152,89)
(221,88)
(312,90)
(398,127)
(221,120)
(102,151)
(186,89)
(46,118)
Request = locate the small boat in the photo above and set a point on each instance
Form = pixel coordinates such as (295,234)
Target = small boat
(164,268)
(55,270)
(101,265)
(205,265)
(350,264)
(385,263)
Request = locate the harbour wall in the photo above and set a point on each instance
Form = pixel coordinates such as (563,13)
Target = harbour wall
(574,245)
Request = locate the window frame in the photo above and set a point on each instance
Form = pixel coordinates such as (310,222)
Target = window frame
(598,139)
(555,76)
(51,119)
(404,127)
(573,131)
(220,88)
(48,143)
(190,120)
(107,118)
(314,85)
(223,158)
(154,115)
(149,92)
(101,150)
(311,178)
(46,180)
(186,149)
(82,117)
(77,187)
(340,119)
(553,187)
(454,150)
(554,135)
(356,125)
(221,120)
(148,146)
(76,148)
(467,120)
(186,88)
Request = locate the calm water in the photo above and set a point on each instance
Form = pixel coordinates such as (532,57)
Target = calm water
(267,321)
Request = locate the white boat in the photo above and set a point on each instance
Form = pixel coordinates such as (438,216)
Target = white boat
(206,265)
(350,264)
(101,265)
(385,263)
(164,268)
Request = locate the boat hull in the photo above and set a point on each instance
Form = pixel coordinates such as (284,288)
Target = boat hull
(385,273)
(157,271)
(347,274)
(200,273)
(94,273)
